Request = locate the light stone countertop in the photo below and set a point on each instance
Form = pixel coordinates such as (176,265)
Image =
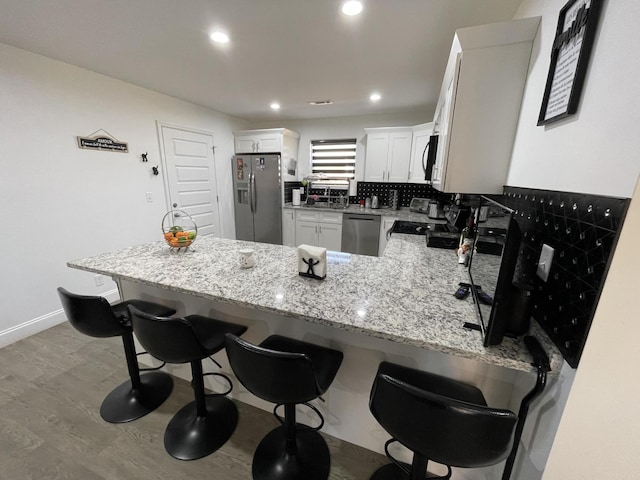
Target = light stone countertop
(405,296)
(401,214)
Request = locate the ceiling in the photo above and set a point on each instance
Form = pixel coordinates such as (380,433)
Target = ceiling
(289,51)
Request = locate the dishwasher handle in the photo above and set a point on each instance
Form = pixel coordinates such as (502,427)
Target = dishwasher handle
(367,218)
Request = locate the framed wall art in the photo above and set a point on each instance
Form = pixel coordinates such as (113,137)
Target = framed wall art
(570,54)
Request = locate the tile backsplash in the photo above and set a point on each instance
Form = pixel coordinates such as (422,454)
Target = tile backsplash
(368,189)
(583,230)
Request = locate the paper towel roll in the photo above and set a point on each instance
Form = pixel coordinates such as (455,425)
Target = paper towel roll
(353,188)
(295,196)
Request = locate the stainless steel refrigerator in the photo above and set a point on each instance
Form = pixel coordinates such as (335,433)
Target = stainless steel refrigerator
(257,198)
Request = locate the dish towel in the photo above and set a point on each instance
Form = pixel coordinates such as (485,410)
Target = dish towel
(312,261)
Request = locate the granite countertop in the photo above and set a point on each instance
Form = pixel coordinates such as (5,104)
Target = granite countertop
(405,296)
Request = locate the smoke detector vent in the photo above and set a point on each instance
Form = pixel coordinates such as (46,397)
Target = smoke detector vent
(321,102)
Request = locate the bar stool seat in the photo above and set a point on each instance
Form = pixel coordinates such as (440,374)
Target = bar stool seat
(438,419)
(93,316)
(201,427)
(287,372)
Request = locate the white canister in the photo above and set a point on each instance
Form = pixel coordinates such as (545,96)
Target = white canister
(295,197)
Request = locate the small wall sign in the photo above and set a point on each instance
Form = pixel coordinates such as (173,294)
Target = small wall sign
(104,141)
(569,59)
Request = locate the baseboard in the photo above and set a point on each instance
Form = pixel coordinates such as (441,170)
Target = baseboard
(36,325)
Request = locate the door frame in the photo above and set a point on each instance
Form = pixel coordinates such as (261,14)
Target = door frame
(163,159)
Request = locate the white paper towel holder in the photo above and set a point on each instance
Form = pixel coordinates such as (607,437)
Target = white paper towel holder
(295,197)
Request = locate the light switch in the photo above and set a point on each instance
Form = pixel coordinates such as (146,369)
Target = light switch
(544,263)
(149,197)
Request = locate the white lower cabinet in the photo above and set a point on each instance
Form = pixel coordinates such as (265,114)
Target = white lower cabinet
(288,227)
(321,229)
(385,225)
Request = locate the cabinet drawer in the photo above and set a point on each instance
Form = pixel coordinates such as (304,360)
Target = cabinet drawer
(330,217)
(306,216)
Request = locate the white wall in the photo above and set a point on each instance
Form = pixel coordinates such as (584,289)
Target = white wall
(59,202)
(596,150)
(345,127)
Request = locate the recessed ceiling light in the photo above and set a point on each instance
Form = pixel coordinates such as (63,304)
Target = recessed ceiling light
(275,106)
(352,7)
(219,37)
(375,97)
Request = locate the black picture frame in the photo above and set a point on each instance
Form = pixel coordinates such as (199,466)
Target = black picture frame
(572,45)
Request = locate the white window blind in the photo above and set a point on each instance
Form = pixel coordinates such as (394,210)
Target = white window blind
(333,163)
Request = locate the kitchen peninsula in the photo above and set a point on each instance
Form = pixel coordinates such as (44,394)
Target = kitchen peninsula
(398,307)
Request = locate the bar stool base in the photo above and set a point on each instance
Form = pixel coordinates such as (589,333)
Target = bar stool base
(189,436)
(125,404)
(391,471)
(311,460)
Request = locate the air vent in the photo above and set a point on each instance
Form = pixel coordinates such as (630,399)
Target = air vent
(321,102)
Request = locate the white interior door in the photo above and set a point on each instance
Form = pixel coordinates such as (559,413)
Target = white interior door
(191,181)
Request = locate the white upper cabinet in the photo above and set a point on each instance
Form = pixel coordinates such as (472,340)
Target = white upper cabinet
(421,134)
(271,140)
(479,105)
(388,154)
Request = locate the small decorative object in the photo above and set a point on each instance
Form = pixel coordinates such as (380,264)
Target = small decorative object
(102,140)
(569,59)
(179,229)
(155,170)
(246,258)
(144,157)
(466,242)
(312,262)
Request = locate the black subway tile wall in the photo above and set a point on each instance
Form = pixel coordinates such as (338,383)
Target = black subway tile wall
(368,189)
(407,191)
(583,230)
(288,187)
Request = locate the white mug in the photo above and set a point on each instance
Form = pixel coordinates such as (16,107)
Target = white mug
(246,258)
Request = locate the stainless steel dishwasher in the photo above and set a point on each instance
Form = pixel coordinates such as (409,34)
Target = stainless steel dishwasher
(360,233)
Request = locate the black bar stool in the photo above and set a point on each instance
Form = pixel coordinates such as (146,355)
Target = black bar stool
(204,425)
(286,372)
(93,316)
(438,419)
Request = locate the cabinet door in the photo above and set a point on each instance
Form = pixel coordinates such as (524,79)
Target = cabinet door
(399,156)
(306,233)
(288,227)
(375,167)
(418,146)
(385,226)
(330,236)
(444,128)
(244,144)
(269,143)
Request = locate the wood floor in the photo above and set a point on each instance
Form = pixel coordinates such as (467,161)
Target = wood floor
(51,388)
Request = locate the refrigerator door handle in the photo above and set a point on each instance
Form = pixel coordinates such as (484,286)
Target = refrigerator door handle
(254,194)
(251,180)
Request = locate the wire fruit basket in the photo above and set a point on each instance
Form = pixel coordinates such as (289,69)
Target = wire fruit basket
(179,229)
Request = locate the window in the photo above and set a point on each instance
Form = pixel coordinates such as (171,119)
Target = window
(333,163)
